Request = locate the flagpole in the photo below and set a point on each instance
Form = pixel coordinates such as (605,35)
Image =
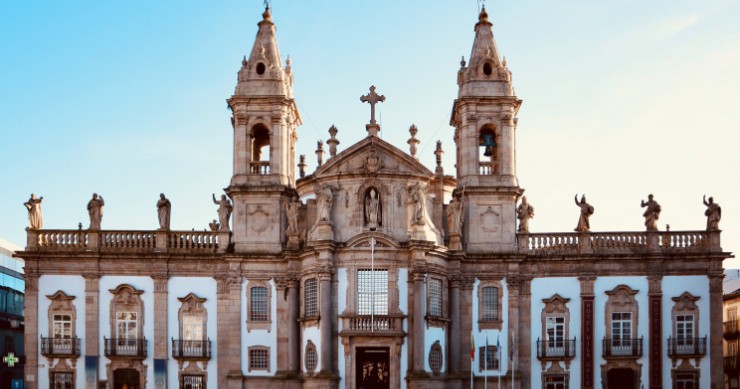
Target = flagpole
(472,358)
(498,352)
(485,380)
(372,282)
(513,356)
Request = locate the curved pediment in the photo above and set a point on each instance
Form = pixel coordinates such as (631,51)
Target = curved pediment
(372,156)
(381,240)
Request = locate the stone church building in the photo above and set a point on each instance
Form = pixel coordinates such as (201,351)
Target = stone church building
(373,271)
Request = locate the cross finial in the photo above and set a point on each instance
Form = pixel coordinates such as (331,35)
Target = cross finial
(372,98)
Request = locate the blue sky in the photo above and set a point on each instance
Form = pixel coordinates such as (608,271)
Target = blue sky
(127,99)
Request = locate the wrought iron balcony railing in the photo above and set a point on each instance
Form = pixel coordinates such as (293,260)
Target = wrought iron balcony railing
(687,347)
(622,347)
(191,349)
(123,347)
(556,349)
(60,347)
(731,329)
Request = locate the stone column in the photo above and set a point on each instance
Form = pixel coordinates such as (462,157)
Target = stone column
(229,330)
(587,331)
(524,335)
(31,335)
(466,321)
(160,331)
(512,286)
(287,328)
(92,331)
(294,336)
(419,275)
(325,318)
(454,325)
(242,145)
(716,367)
(655,295)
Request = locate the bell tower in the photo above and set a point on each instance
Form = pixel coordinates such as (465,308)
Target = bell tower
(484,117)
(265,120)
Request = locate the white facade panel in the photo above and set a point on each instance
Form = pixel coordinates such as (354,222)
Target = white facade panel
(479,336)
(266,338)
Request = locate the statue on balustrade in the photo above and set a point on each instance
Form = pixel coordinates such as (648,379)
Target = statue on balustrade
(163,212)
(652,213)
(372,209)
(35,219)
(586,211)
(291,210)
(324,202)
(455,215)
(524,212)
(713,214)
(95,209)
(224,211)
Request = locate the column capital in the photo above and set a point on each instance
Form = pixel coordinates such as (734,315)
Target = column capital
(587,284)
(654,284)
(32,282)
(715,283)
(226,282)
(160,282)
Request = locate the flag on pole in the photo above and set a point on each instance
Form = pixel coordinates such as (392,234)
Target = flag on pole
(487,357)
(472,347)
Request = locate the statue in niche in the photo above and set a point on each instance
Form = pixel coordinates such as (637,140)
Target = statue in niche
(586,211)
(291,211)
(95,209)
(372,209)
(417,197)
(455,215)
(163,212)
(214,225)
(224,211)
(524,212)
(713,213)
(324,202)
(35,219)
(652,213)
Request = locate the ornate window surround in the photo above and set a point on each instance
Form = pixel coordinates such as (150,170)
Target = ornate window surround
(436,353)
(126,298)
(437,321)
(250,366)
(685,304)
(490,324)
(61,304)
(313,319)
(192,305)
(260,324)
(621,299)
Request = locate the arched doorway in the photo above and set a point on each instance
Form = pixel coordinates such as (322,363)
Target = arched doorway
(126,379)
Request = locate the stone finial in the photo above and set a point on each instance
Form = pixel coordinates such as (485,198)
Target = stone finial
(462,62)
(438,156)
(333,142)
(320,152)
(413,142)
(302,165)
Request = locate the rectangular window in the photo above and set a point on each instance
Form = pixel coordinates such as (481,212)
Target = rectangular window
(62,380)
(192,327)
(684,330)
(621,333)
(259,359)
(127,333)
(487,361)
(685,381)
(434,292)
(310,296)
(732,348)
(258,303)
(372,292)
(556,381)
(732,314)
(555,332)
(490,303)
(62,326)
(193,382)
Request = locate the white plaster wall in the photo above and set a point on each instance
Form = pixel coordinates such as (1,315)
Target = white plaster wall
(403,304)
(479,336)
(203,287)
(674,286)
(141,283)
(341,275)
(72,286)
(313,334)
(267,338)
(544,288)
(603,284)
(431,335)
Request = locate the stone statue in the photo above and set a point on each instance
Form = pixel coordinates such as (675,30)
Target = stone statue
(224,211)
(324,202)
(291,210)
(214,225)
(652,213)
(35,219)
(713,213)
(586,211)
(417,197)
(455,215)
(372,209)
(163,212)
(95,209)
(524,212)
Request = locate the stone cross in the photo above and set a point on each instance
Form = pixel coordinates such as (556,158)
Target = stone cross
(372,98)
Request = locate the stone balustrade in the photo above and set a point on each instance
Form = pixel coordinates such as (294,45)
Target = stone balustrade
(587,242)
(128,241)
(379,325)
(261,167)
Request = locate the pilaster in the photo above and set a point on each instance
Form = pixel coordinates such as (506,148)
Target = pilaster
(455,351)
(419,276)
(655,296)
(160,330)
(326,320)
(228,295)
(716,362)
(92,335)
(31,335)
(587,331)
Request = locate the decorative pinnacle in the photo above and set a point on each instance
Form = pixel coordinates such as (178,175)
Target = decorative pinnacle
(483,17)
(320,152)
(438,156)
(462,62)
(333,142)
(302,165)
(413,141)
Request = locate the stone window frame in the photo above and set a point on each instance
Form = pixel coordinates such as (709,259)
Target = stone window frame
(352,308)
(192,369)
(260,324)
(259,131)
(685,368)
(388,294)
(310,355)
(490,324)
(495,362)
(250,366)
(556,306)
(443,318)
(621,299)
(192,305)
(685,304)
(54,373)
(436,358)
(126,298)
(62,304)
(553,371)
(304,298)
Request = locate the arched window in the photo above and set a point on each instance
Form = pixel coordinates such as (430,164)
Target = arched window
(488,155)
(260,163)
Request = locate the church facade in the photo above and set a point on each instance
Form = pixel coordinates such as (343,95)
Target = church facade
(373,271)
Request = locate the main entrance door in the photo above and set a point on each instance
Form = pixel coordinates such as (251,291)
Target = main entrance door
(373,368)
(620,378)
(126,379)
